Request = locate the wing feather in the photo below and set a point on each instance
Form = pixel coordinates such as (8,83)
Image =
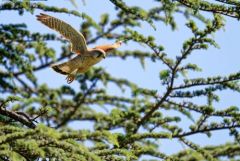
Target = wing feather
(78,42)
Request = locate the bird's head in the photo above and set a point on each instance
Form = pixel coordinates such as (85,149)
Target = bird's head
(98,53)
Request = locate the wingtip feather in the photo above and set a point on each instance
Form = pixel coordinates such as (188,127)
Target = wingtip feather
(42,16)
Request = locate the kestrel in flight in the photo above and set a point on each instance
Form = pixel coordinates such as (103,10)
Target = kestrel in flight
(86,57)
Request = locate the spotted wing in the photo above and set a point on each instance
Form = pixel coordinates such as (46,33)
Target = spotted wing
(78,43)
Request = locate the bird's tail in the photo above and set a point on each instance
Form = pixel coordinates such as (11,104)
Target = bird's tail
(62,68)
(69,66)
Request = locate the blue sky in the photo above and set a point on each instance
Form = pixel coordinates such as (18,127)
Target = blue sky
(213,61)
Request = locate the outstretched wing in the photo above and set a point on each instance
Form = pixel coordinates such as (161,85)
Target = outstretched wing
(78,43)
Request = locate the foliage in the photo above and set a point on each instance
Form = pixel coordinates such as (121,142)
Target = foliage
(35,117)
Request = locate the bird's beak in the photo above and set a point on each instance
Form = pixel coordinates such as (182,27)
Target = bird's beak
(104,55)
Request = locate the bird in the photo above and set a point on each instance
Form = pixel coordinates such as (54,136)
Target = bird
(86,57)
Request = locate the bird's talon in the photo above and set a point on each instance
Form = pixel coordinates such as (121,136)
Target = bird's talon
(70,79)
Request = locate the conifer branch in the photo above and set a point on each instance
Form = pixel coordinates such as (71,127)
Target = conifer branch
(213,8)
(16,117)
(208,81)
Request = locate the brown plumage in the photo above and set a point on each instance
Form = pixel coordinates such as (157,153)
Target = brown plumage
(86,57)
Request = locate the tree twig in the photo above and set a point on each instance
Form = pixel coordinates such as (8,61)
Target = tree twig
(15,116)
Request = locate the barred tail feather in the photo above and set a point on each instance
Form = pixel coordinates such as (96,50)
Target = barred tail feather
(69,66)
(61,68)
